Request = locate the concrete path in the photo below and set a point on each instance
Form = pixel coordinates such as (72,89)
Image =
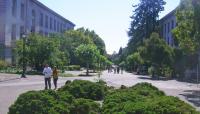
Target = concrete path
(12,86)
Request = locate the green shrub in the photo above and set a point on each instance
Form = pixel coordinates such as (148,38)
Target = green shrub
(85,106)
(3,65)
(34,72)
(72,67)
(85,89)
(66,75)
(159,105)
(143,98)
(42,102)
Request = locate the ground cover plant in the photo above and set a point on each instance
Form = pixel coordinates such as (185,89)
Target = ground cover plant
(80,97)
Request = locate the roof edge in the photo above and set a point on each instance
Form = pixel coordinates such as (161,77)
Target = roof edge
(44,6)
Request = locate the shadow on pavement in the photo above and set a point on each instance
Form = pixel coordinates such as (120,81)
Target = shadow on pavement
(192,81)
(154,79)
(193,96)
(6,80)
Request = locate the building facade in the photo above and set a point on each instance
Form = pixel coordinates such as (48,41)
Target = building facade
(167,24)
(25,16)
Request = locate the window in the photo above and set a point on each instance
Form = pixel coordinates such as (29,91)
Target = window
(33,17)
(172,26)
(46,21)
(51,23)
(54,25)
(58,27)
(13,33)
(63,28)
(165,32)
(41,19)
(168,40)
(22,30)
(41,32)
(168,28)
(14,7)
(33,21)
(22,11)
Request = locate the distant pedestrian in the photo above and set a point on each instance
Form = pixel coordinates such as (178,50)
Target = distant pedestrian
(118,70)
(47,76)
(122,70)
(115,70)
(55,77)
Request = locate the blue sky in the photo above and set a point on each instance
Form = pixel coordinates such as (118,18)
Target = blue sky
(110,19)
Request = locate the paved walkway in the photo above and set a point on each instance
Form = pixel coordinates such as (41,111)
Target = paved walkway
(12,86)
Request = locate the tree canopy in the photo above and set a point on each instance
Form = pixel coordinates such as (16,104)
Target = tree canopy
(187,32)
(144,21)
(87,54)
(40,50)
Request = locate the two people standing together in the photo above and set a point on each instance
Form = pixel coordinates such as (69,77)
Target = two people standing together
(48,73)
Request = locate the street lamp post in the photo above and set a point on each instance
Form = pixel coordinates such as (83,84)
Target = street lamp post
(23,56)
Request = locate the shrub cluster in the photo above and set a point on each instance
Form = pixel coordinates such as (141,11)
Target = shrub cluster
(72,68)
(143,99)
(73,98)
(42,102)
(3,64)
(85,89)
(78,97)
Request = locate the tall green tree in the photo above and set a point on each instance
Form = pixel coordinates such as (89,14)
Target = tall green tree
(157,53)
(144,21)
(187,33)
(96,39)
(134,61)
(40,50)
(73,39)
(87,54)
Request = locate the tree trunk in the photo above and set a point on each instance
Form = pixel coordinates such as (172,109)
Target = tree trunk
(87,72)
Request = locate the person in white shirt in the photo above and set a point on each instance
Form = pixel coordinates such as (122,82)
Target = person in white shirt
(47,76)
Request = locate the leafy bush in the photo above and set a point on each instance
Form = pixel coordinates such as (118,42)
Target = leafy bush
(72,67)
(34,72)
(143,98)
(85,89)
(85,106)
(42,102)
(3,64)
(66,75)
(159,105)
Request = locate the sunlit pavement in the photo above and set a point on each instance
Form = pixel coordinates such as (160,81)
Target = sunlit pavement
(11,86)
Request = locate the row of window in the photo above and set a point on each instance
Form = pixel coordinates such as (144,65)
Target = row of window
(22,29)
(169,26)
(44,20)
(14,31)
(167,29)
(51,23)
(14,9)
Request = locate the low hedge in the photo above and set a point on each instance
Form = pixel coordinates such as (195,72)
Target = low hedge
(143,99)
(72,68)
(3,64)
(42,102)
(50,102)
(78,97)
(85,89)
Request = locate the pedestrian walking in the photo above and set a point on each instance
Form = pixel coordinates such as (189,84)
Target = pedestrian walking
(115,70)
(47,76)
(122,70)
(55,77)
(118,70)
